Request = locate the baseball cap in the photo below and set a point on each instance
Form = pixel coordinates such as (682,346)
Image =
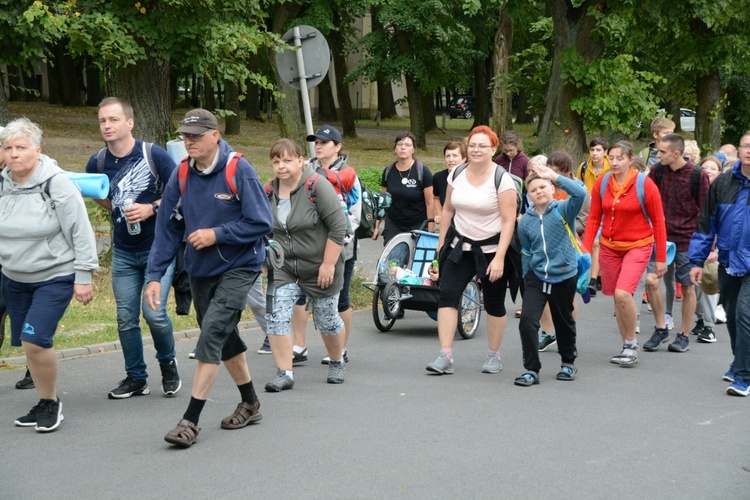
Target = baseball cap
(198,121)
(326,133)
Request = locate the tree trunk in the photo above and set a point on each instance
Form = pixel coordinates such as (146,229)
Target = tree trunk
(195,100)
(209,97)
(53,77)
(386,102)
(708,114)
(69,76)
(146,86)
(481,95)
(252,99)
(326,102)
(232,98)
(673,110)
(16,84)
(502,114)
(523,113)
(561,127)
(4,111)
(428,109)
(93,85)
(341,66)
(289,111)
(414,94)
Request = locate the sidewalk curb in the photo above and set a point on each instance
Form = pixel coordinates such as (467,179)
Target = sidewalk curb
(77,352)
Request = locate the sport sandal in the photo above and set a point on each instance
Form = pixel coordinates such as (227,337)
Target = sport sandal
(244,414)
(184,434)
(527,379)
(567,372)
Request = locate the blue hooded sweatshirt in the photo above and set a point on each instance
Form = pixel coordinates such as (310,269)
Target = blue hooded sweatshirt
(240,221)
(546,246)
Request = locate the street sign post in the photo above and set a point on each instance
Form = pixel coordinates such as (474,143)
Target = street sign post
(305,67)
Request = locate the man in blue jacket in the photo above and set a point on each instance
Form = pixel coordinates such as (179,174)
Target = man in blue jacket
(726,218)
(219,203)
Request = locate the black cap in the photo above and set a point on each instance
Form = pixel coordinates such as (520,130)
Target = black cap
(326,133)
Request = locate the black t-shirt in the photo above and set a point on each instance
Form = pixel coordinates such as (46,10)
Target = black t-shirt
(408,210)
(440,185)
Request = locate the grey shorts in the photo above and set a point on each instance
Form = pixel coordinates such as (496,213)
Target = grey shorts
(325,312)
(679,267)
(219,302)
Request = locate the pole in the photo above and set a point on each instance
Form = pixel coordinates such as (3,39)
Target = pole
(303,90)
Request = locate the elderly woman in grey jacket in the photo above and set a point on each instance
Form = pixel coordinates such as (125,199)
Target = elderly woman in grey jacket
(47,255)
(310,225)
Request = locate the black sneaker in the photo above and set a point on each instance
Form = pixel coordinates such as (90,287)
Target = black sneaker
(129,387)
(299,357)
(707,335)
(49,415)
(29,420)
(170,379)
(698,328)
(266,347)
(26,382)
(592,287)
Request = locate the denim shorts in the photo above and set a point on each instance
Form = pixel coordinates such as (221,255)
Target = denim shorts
(325,315)
(680,267)
(35,309)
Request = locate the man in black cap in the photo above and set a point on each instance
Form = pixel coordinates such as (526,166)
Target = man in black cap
(217,200)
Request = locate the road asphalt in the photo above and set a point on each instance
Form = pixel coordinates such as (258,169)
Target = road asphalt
(664,429)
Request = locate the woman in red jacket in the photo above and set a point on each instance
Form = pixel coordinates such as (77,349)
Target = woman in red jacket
(627,239)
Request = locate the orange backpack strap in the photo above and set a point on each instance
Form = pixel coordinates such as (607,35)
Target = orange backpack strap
(230,171)
(182,174)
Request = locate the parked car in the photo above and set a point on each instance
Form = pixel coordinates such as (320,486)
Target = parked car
(687,118)
(463,107)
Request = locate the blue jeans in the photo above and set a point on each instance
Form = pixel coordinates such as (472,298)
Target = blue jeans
(735,297)
(128,282)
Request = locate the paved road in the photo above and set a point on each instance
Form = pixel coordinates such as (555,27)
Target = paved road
(664,429)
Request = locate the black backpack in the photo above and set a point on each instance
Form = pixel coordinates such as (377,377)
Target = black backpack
(499,172)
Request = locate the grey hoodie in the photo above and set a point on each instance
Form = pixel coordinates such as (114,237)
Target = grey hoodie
(37,244)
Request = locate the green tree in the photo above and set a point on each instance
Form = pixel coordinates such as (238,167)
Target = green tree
(133,43)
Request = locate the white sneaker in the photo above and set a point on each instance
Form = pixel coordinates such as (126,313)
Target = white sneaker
(721,315)
(670,321)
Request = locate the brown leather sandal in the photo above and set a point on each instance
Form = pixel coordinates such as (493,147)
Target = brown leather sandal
(184,434)
(244,414)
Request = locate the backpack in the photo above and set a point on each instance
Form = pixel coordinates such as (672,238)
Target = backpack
(147,146)
(42,189)
(695,179)
(639,190)
(230,173)
(499,172)
(582,168)
(311,188)
(368,213)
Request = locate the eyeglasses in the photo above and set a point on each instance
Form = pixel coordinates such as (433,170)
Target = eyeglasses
(744,146)
(479,146)
(192,137)
(404,145)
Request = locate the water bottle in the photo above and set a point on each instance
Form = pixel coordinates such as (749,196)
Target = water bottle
(132,228)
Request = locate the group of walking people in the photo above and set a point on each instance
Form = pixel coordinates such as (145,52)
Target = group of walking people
(510,221)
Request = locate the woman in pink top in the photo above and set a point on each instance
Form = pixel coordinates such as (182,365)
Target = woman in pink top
(477,225)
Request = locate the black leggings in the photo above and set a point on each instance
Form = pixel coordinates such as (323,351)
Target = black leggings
(454,278)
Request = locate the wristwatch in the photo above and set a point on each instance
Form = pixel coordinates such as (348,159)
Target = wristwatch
(156,207)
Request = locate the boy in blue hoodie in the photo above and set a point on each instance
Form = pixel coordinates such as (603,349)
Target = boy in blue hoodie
(550,268)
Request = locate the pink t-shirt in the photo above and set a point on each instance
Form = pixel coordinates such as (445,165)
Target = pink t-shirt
(477,215)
